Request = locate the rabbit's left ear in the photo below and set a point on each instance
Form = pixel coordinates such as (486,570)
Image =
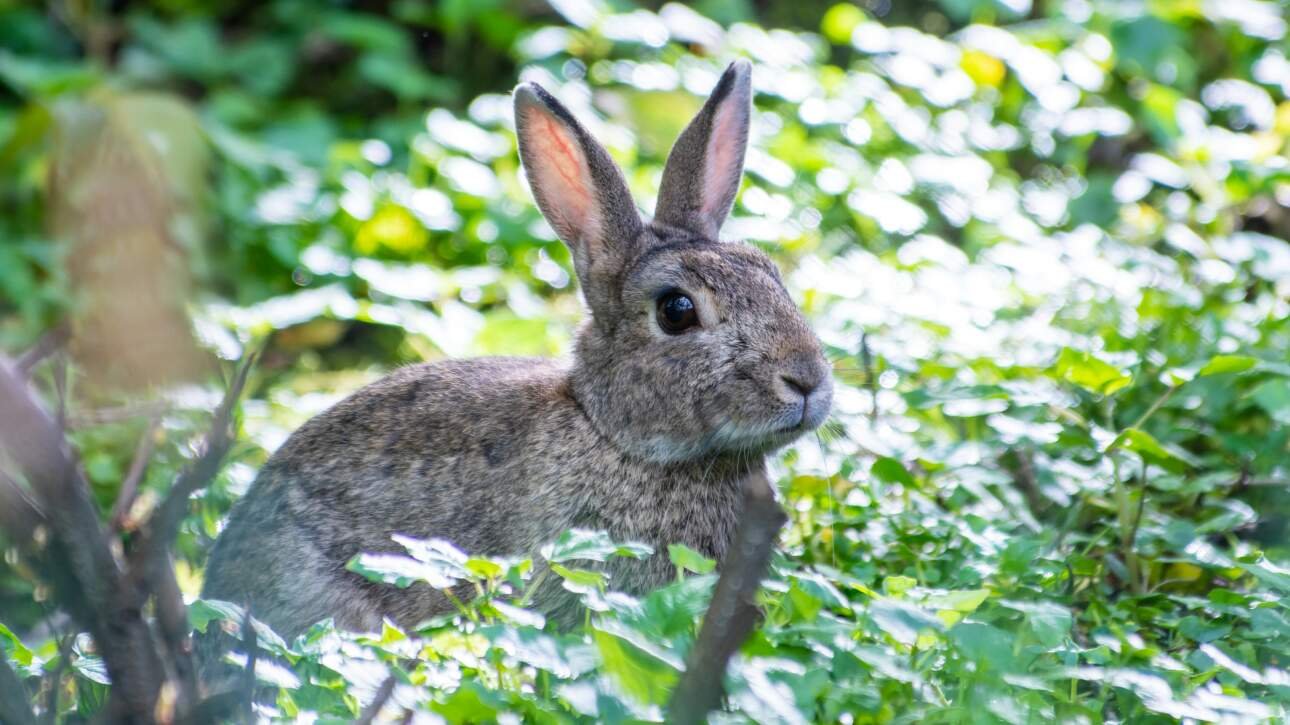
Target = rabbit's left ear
(704,168)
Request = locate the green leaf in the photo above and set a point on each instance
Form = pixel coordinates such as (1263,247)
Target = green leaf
(401,571)
(580,581)
(564,658)
(1275,576)
(641,667)
(896,586)
(204,611)
(593,545)
(13,648)
(1090,372)
(1153,451)
(470,703)
(485,568)
(892,471)
(1273,396)
(92,668)
(686,559)
(1222,364)
(1049,622)
(990,648)
(904,622)
(44,76)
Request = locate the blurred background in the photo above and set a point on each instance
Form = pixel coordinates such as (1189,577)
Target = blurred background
(1044,242)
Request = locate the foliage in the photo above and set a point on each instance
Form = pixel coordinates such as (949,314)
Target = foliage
(1045,246)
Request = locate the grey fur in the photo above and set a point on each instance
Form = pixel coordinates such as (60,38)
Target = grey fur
(643,434)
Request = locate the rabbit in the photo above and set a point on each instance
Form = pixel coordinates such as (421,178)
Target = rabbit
(693,364)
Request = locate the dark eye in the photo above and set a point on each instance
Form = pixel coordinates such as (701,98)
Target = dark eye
(676,313)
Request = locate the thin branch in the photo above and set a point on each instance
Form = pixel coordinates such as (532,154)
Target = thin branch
(368,716)
(49,343)
(159,533)
(138,467)
(1138,586)
(90,417)
(248,677)
(56,681)
(172,621)
(732,615)
(1155,406)
(870,380)
(61,378)
(13,697)
(1026,481)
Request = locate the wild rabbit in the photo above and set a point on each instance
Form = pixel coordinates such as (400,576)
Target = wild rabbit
(693,364)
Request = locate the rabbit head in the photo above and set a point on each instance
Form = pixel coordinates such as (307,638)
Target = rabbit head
(694,348)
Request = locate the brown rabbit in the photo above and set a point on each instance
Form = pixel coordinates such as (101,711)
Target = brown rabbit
(693,364)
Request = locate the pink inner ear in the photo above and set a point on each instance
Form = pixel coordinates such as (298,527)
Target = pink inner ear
(722,159)
(561,175)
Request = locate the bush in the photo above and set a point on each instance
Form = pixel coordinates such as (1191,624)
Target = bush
(1044,244)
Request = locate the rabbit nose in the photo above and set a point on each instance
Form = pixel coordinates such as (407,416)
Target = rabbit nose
(797,385)
(806,385)
(803,375)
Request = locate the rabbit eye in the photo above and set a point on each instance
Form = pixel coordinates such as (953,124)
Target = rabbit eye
(676,313)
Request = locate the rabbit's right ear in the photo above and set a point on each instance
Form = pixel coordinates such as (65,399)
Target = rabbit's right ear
(578,187)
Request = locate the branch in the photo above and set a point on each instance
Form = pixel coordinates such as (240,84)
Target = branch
(19,515)
(138,467)
(248,677)
(732,615)
(83,570)
(49,343)
(159,533)
(172,622)
(13,697)
(368,716)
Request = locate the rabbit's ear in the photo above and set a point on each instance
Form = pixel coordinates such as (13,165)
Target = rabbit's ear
(705,166)
(577,186)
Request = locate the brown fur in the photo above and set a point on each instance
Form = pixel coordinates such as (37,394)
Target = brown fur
(643,434)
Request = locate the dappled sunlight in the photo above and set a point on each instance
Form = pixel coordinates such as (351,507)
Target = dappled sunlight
(1044,246)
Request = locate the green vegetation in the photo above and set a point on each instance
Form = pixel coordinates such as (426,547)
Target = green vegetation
(1045,246)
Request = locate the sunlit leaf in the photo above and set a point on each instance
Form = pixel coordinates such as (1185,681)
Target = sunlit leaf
(1089,372)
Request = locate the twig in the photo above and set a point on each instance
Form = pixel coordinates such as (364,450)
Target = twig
(56,681)
(90,417)
(13,697)
(49,343)
(248,677)
(1151,410)
(61,378)
(870,382)
(158,534)
(368,716)
(1024,478)
(1133,530)
(138,466)
(172,621)
(733,612)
